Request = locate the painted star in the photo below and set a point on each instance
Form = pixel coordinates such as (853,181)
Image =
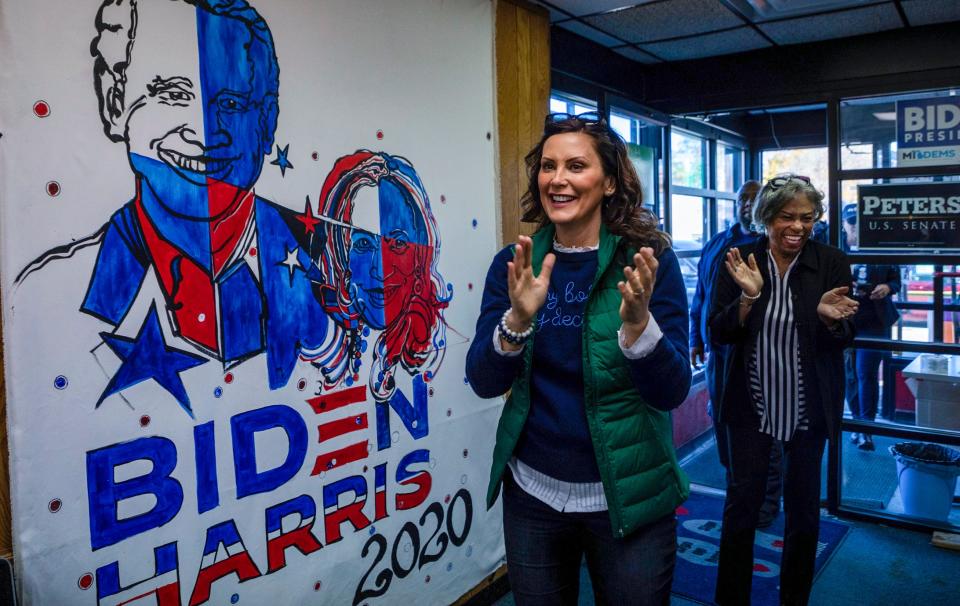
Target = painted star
(282,160)
(309,220)
(148,357)
(292,262)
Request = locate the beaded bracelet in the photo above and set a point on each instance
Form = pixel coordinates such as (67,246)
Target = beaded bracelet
(746,299)
(512,336)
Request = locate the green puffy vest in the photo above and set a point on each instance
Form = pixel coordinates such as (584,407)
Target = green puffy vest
(633,442)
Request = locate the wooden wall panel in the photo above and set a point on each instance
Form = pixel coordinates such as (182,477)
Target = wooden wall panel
(522,55)
(523,92)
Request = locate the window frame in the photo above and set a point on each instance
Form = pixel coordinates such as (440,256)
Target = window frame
(712,135)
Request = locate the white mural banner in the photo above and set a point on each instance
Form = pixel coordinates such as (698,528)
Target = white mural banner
(243,251)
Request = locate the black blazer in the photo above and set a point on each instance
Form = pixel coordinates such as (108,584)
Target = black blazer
(819,269)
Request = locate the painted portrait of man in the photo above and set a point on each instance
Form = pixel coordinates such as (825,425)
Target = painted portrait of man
(241,275)
(197,124)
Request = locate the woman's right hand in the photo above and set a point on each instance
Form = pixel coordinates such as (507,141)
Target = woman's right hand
(527,292)
(746,274)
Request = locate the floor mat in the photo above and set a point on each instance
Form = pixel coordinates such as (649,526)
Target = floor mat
(698,543)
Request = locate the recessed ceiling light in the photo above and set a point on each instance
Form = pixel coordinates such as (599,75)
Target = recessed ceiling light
(784,8)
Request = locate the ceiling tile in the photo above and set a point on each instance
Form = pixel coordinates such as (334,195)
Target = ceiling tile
(854,22)
(926,12)
(660,20)
(635,54)
(591,33)
(708,45)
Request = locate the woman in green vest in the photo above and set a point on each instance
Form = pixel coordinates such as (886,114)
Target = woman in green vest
(585,324)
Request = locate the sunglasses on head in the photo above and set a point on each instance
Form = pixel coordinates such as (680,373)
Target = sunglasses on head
(781,180)
(587,118)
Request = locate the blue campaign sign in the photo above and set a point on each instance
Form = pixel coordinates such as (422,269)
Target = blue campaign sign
(928,131)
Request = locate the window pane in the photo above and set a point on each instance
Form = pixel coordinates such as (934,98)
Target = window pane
(729,167)
(557,106)
(687,164)
(856,155)
(661,178)
(642,158)
(917,287)
(562,104)
(622,126)
(807,161)
(686,213)
(726,214)
(914,302)
(873,122)
(688,268)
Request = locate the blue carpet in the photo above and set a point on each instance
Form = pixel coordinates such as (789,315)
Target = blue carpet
(698,543)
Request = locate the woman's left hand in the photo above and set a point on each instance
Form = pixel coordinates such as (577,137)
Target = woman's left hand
(834,306)
(635,292)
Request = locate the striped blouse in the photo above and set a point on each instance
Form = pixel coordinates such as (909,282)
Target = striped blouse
(776,376)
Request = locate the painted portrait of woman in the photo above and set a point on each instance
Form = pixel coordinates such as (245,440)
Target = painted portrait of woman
(380,268)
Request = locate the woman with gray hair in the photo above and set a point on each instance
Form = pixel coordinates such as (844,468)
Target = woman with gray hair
(781,305)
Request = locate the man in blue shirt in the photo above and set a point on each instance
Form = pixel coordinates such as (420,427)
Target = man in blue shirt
(711,262)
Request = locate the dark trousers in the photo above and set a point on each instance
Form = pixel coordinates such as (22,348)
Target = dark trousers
(545,548)
(749,465)
(868,364)
(861,367)
(851,387)
(771,500)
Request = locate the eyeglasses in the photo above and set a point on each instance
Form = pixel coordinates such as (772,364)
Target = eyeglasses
(781,180)
(586,117)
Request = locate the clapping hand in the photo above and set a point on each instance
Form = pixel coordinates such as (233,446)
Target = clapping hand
(745,273)
(527,292)
(635,292)
(835,306)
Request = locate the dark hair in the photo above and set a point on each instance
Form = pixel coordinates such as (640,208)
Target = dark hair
(622,212)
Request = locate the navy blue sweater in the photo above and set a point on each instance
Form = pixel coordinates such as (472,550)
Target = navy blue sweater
(556,389)
(556,440)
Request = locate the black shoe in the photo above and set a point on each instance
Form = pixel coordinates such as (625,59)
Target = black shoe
(866,443)
(766,519)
